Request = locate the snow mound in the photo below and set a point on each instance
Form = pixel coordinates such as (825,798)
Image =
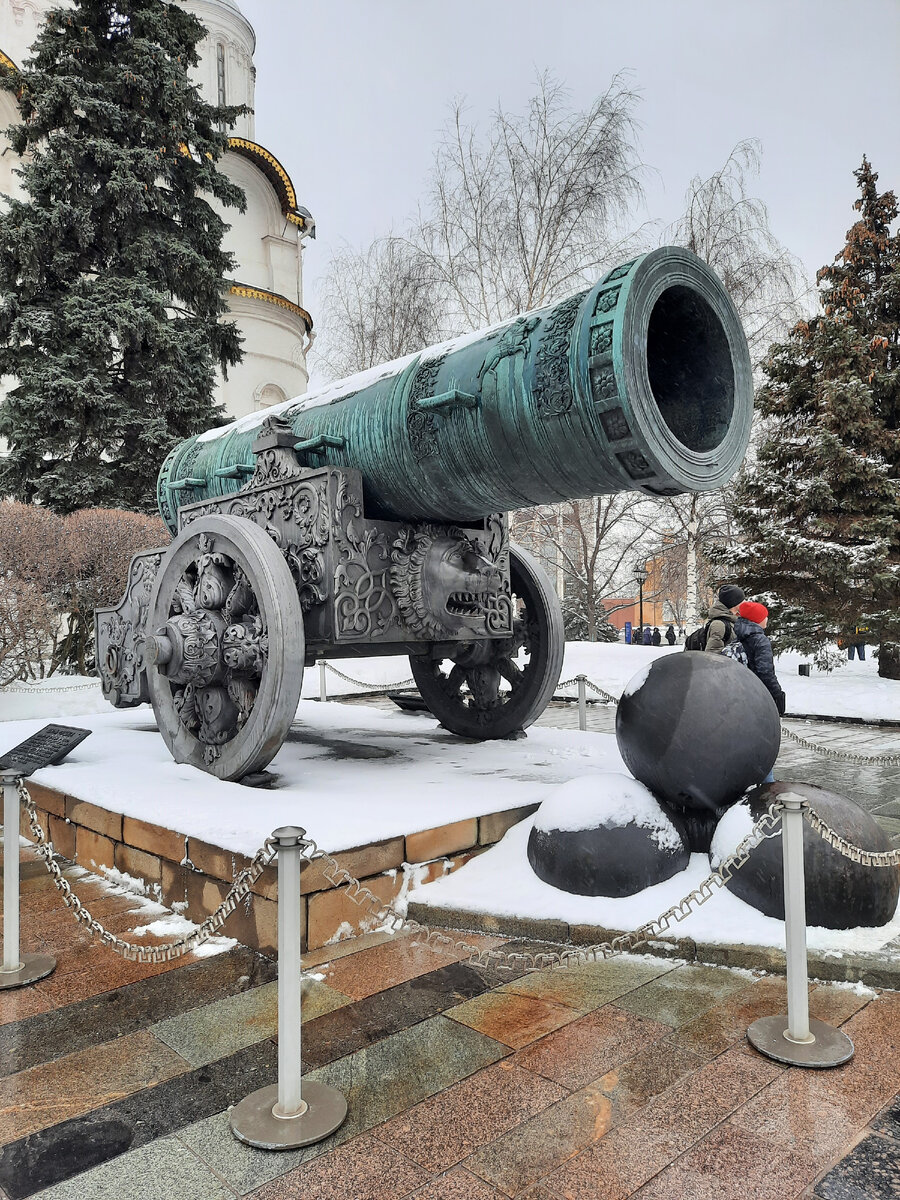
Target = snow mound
(608,799)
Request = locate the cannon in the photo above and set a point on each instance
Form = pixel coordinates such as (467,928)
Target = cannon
(371,517)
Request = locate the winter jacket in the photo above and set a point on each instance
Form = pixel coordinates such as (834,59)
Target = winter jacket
(647,637)
(759,657)
(719,615)
(657,638)
(670,636)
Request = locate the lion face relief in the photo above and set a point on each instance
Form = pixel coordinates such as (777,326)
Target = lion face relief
(442,582)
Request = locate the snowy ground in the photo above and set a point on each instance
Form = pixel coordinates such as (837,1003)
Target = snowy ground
(351,775)
(853,690)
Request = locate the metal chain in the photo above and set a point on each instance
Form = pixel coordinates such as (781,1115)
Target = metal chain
(39,691)
(243,882)
(868,858)
(386,915)
(371,687)
(886,760)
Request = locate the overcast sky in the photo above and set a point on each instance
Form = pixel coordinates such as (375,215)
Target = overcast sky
(351,96)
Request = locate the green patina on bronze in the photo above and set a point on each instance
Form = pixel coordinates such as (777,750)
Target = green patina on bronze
(641,382)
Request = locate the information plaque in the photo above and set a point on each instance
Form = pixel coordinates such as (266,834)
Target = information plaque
(45,748)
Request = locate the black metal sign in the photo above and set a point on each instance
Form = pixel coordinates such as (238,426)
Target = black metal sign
(45,748)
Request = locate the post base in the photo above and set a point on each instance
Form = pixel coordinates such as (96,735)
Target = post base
(33,968)
(253,1121)
(830,1048)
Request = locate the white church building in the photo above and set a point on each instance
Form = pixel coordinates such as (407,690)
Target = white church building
(267,240)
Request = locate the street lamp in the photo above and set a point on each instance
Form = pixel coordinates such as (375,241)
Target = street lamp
(641,575)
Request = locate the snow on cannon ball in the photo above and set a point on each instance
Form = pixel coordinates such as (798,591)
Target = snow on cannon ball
(697,730)
(605,835)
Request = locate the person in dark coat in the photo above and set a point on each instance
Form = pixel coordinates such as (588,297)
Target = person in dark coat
(637,636)
(648,636)
(750,627)
(670,635)
(657,637)
(722,614)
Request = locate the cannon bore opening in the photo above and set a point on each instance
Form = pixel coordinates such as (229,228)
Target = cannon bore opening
(690,368)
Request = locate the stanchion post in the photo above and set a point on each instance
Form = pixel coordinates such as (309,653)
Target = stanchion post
(323,684)
(582,702)
(290,1113)
(797,1038)
(17,969)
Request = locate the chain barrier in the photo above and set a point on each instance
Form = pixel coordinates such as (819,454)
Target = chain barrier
(883,760)
(386,916)
(241,887)
(370,687)
(39,691)
(868,858)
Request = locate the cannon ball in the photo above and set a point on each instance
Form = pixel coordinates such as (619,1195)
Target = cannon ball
(605,835)
(840,894)
(697,729)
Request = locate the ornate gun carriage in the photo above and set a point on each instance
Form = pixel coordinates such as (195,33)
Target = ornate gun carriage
(369,518)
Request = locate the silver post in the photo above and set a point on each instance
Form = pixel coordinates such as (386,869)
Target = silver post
(11,961)
(582,701)
(290,1102)
(323,685)
(795,922)
(18,969)
(797,1038)
(292,1112)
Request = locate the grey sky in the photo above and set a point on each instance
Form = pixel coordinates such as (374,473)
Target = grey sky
(351,95)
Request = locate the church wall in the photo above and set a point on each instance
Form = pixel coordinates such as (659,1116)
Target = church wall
(276,369)
(228,30)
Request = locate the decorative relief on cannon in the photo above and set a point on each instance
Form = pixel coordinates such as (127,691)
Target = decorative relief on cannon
(120,635)
(421,425)
(364,605)
(442,582)
(553,393)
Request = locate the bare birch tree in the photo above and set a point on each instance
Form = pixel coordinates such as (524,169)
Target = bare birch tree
(378,304)
(534,207)
(729,229)
(588,545)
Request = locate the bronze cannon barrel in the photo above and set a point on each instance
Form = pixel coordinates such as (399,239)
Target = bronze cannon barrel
(642,382)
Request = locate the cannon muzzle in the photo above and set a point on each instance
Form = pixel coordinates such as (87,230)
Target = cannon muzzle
(642,382)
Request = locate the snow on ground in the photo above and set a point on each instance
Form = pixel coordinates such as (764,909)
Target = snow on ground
(853,690)
(352,775)
(349,775)
(501,882)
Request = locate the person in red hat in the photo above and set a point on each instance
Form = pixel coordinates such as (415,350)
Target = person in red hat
(750,628)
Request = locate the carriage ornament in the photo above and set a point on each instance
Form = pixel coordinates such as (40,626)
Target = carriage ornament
(370,518)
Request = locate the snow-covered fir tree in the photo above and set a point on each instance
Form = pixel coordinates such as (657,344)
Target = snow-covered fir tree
(819,512)
(111,266)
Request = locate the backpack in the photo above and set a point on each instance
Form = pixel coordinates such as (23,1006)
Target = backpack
(735,649)
(697,639)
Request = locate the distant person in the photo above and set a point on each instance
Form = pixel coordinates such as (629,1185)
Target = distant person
(681,635)
(657,637)
(670,635)
(857,643)
(637,636)
(722,616)
(648,636)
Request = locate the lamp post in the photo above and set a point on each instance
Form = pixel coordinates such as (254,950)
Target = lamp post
(641,575)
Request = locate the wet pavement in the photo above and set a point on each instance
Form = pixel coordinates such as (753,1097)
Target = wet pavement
(628,1078)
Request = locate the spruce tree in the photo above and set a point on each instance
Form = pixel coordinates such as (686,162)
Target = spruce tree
(111,266)
(819,512)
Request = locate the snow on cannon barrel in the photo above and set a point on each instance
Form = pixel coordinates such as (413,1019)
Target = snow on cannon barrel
(370,517)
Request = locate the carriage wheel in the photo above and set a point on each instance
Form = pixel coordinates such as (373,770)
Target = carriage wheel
(226,647)
(493,688)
